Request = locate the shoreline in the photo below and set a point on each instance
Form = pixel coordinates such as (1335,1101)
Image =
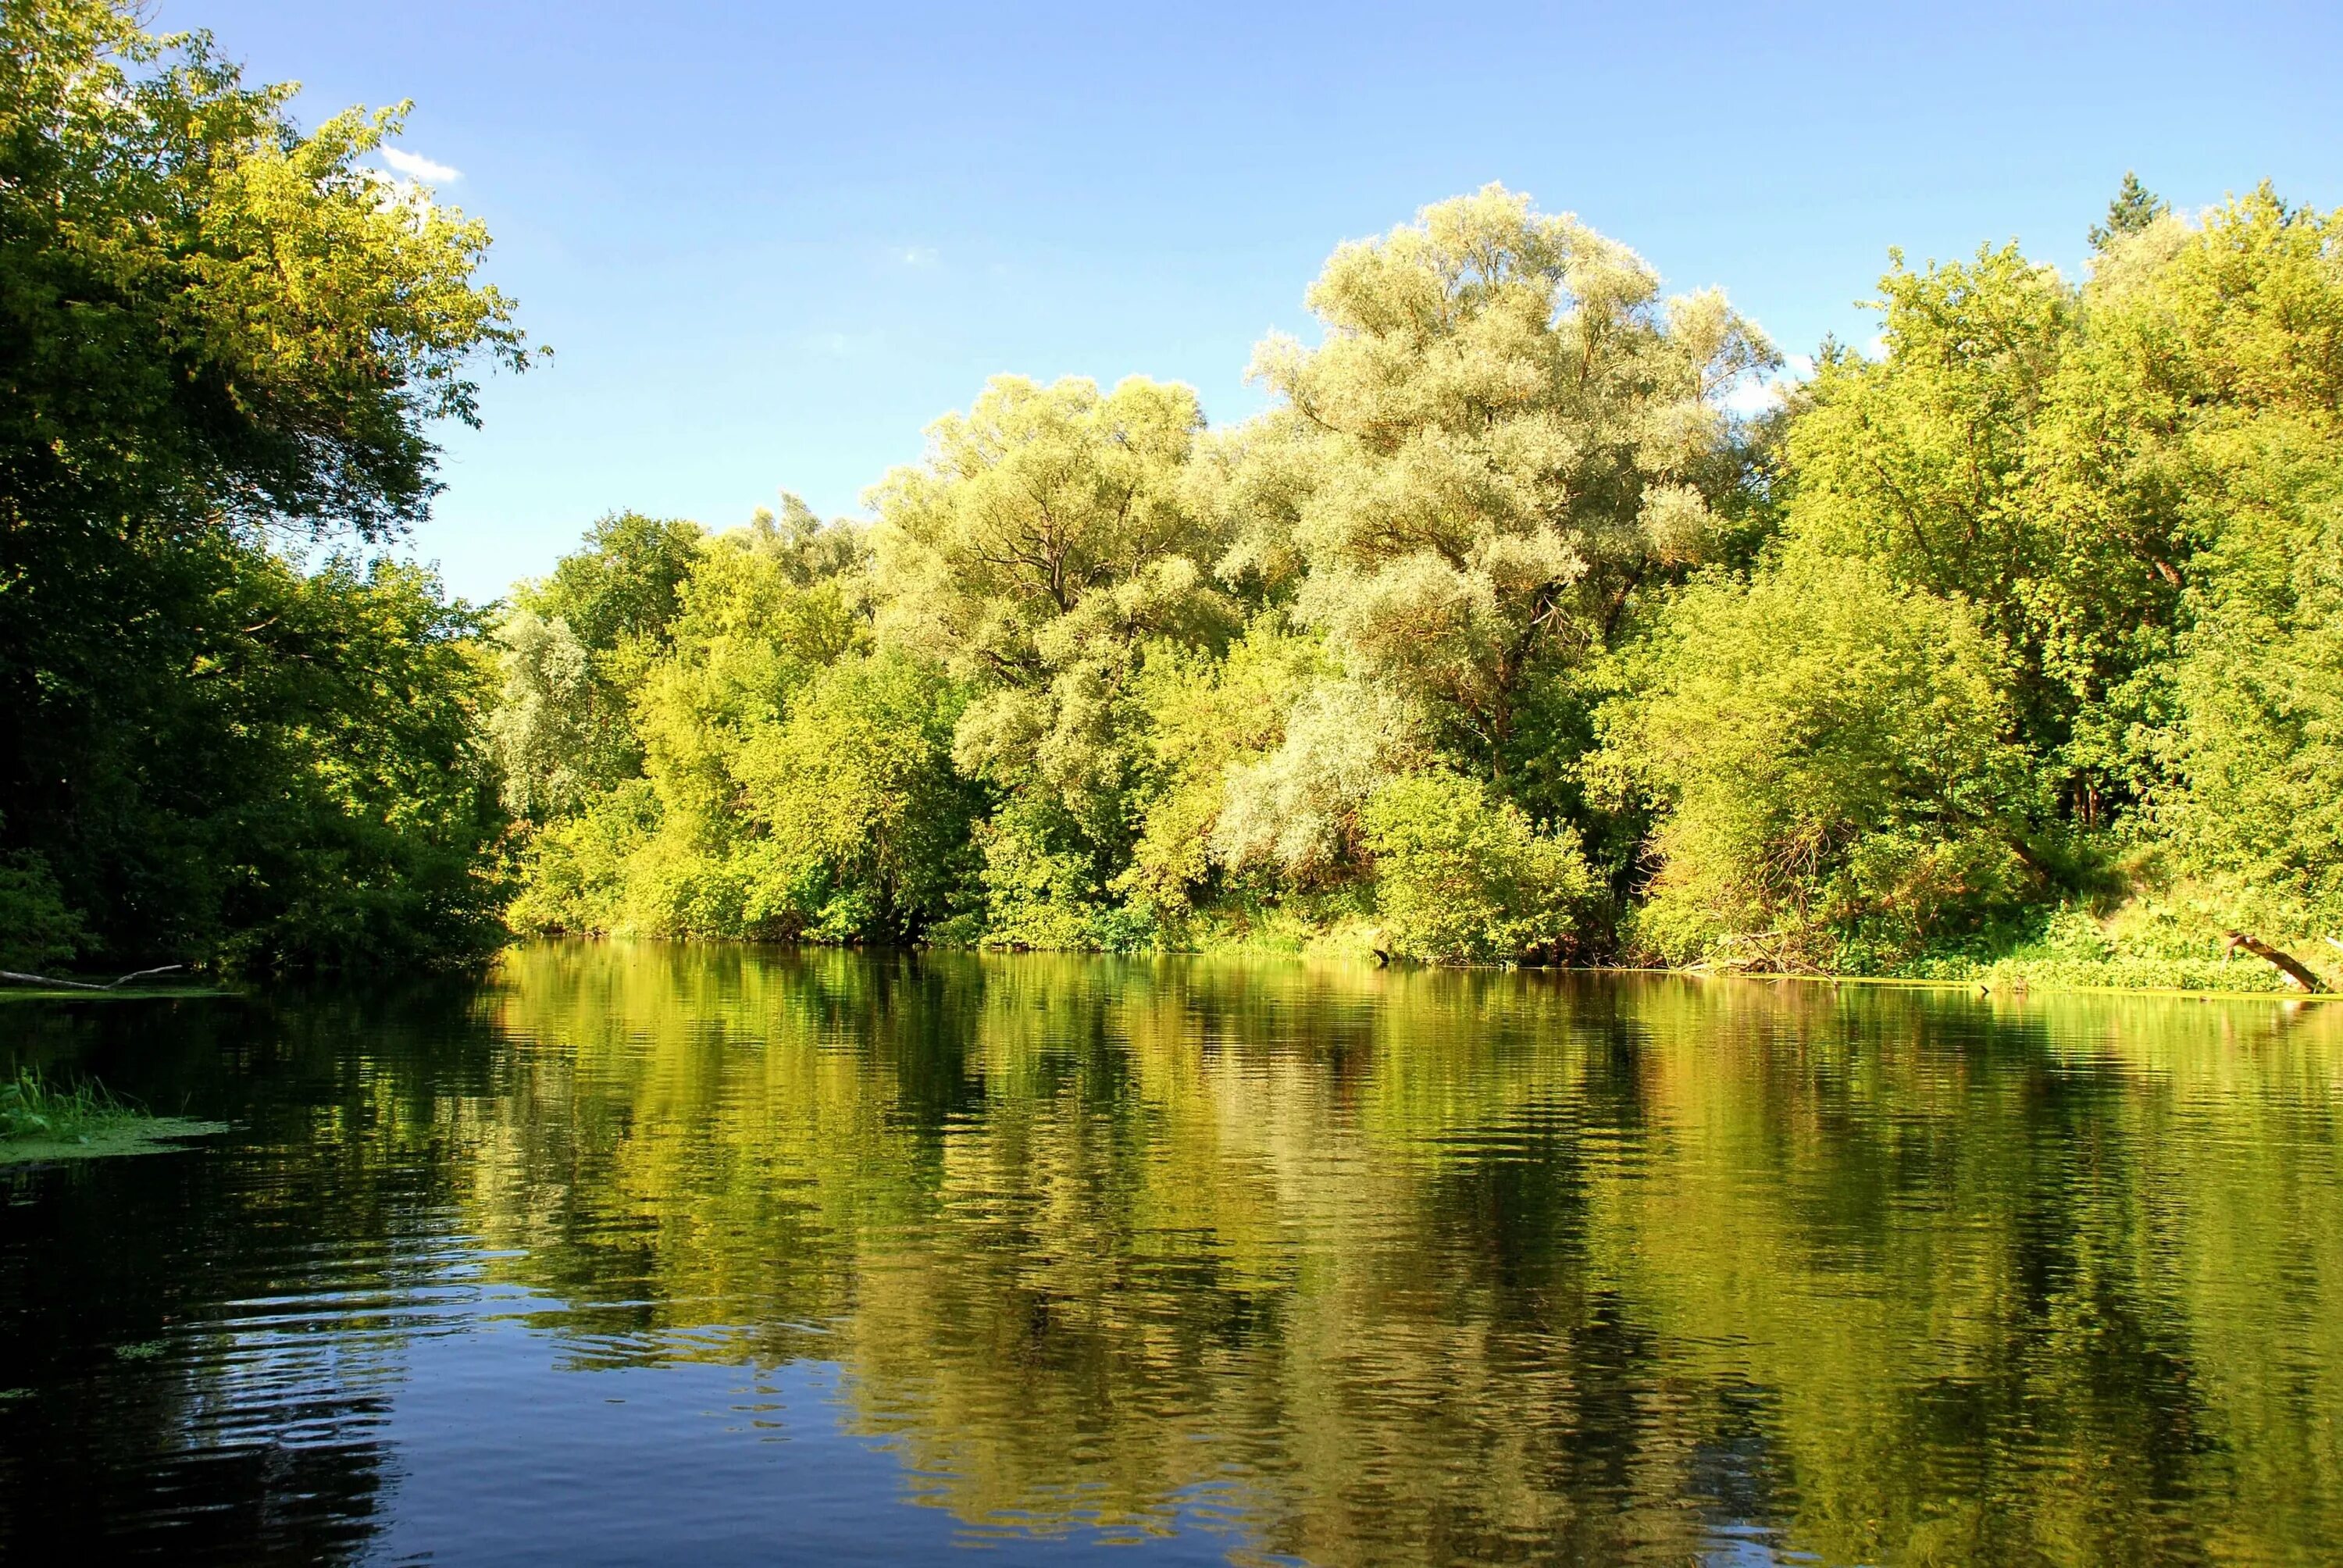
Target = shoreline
(1973,986)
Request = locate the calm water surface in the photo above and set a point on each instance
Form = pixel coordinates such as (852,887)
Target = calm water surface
(642,1254)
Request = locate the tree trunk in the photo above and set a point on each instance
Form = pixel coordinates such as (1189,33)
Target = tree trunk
(2285,963)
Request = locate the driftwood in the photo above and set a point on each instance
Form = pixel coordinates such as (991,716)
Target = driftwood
(2286,964)
(12,976)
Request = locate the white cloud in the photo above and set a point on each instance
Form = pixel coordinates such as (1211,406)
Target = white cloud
(917,255)
(846,344)
(415,167)
(1750,397)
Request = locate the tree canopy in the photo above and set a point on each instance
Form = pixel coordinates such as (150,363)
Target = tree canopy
(1500,634)
(223,339)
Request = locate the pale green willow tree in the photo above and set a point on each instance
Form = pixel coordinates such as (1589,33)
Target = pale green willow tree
(1505,432)
(1043,542)
(540,728)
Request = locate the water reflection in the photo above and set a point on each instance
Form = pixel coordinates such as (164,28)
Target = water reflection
(1261,1261)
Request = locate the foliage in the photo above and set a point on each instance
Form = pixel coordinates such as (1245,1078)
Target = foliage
(37,927)
(1506,433)
(221,331)
(1497,622)
(867,821)
(2253,803)
(45,1121)
(1042,542)
(1460,876)
(379,843)
(2035,611)
(1207,720)
(577,646)
(2135,208)
(790,781)
(1827,751)
(1040,888)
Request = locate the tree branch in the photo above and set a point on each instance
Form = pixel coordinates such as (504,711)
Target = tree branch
(2285,963)
(86,985)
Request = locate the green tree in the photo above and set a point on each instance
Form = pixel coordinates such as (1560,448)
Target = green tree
(756,623)
(1041,546)
(2135,208)
(1506,433)
(2238,334)
(617,597)
(217,329)
(866,822)
(1827,752)
(1920,462)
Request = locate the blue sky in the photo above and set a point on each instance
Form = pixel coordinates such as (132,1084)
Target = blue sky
(769,243)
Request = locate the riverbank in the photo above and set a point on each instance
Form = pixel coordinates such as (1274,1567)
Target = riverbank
(2142,949)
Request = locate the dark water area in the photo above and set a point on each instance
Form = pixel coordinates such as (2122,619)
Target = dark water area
(711,1255)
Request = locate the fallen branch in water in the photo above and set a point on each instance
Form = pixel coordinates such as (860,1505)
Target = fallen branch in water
(11,975)
(2289,966)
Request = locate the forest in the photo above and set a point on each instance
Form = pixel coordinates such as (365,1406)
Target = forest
(2008,648)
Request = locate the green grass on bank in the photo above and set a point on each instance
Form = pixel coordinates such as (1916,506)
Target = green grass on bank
(2146,945)
(137,993)
(40,1120)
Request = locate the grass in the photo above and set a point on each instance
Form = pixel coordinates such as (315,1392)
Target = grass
(42,1120)
(2146,944)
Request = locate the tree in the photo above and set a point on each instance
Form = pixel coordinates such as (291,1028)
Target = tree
(1827,753)
(1040,547)
(2240,331)
(2135,208)
(216,329)
(866,823)
(542,727)
(756,623)
(615,602)
(1505,432)
(625,587)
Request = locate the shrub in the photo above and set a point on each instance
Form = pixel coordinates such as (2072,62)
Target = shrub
(1460,876)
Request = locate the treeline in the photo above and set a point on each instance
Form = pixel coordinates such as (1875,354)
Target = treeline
(1502,637)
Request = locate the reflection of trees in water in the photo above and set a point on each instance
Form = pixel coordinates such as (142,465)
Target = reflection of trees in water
(1451,1265)
(211,1344)
(1395,1265)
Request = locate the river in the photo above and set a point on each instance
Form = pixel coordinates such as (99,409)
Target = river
(640,1252)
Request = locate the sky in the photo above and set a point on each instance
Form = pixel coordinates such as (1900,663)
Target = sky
(769,243)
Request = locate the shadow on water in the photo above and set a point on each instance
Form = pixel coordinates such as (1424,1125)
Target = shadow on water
(719,1254)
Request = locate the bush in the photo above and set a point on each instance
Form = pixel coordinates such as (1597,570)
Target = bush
(1826,751)
(1460,876)
(36,929)
(1041,891)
